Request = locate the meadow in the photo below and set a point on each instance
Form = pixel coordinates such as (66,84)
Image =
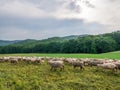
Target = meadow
(110,55)
(24,76)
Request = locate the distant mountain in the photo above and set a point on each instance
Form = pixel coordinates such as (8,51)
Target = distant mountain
(26,41)
(59,39)
(33,41)
(6,42)
(73,36)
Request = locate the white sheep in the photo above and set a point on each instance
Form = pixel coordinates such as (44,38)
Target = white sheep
(117,63)
(56,64)
(78,64)
(14,60)
(110,66)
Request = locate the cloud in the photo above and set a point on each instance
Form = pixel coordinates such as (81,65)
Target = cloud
(15,28)
(43,18)
(12,33)
(100,11)
(105,12)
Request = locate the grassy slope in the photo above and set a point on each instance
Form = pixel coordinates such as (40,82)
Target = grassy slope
(39,77)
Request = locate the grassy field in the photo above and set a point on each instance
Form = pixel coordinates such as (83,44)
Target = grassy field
(111,55)
(24,76)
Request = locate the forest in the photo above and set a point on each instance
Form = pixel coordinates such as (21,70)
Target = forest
(101,43)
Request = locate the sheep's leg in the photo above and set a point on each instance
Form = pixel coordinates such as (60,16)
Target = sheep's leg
(82,67)
(60,68)
(85,63)
(74,67)
(63,66)
(114,69)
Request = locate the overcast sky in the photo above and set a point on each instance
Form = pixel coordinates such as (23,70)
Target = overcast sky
(39,19)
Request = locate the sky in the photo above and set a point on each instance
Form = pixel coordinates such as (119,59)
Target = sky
(40,19)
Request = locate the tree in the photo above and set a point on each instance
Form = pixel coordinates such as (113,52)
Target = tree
(105,44)
(86,45)
(69,46)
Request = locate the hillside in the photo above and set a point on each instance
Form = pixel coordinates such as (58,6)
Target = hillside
(30,41)
(6,42)
(101,43)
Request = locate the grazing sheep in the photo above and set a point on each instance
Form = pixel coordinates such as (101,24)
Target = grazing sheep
(117,63)
(19,58)
(56,64)
(70,60)
(110,66)
(86,61)
(32,60)
(37,61)
(94,63)
(6,59)
(14,60)
(1,59)
(27,59)
(78,64)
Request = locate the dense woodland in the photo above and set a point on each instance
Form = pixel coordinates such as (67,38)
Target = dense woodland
(83,44)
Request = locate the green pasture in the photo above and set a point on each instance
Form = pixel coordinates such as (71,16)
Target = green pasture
(24,76)
(28,76)
(111,55)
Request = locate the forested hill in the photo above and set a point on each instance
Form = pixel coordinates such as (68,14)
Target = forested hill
(70,44)
(33,41)
(6,42)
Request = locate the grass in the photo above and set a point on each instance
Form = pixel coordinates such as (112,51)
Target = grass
(39,77)
(23,76)
(111,55)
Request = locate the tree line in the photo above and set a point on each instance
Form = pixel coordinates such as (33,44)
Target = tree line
(87,44)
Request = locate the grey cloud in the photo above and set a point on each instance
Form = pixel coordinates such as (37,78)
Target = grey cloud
(46,5)
(74,7)
(23,28)
(89,4)
(42,23)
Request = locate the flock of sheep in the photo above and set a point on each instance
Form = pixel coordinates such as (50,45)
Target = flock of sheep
(55,63)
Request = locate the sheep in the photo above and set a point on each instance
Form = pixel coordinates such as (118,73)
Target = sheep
(78,64)
(19,58)
(42,59)
(14,60)
(117,63)
(38,60)
(94,63)
(27,59)
(86,61)
(110,66)
(56,64)
(6,59)
(32,60)
(1,59)
(70,60)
